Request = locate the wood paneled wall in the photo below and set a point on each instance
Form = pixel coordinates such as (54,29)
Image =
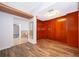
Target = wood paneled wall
(63,31)
(72,29)
(41,30)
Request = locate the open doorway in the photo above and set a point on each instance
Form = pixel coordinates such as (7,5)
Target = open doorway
(20,31)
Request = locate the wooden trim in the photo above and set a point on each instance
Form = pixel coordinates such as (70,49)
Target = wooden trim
(14,11)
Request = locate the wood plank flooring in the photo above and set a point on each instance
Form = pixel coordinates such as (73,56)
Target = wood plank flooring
(44,48)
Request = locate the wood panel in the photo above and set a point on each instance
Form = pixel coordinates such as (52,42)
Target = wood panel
(39,25)
(72,29)
(78,24)
(61,30)
(14,11)
(45,28)
(52,29)
(41,30)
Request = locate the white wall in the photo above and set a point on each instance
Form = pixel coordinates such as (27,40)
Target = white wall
(6,30)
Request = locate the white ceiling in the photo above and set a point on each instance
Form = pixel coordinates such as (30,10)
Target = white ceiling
(62,7)
(32,7)
(41,8)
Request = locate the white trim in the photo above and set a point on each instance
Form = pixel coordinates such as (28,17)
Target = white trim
(34,40)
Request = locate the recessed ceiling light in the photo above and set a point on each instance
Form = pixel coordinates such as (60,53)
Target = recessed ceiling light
(52,13)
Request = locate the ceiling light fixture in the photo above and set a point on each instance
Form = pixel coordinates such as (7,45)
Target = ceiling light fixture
(52,13)
(60,20)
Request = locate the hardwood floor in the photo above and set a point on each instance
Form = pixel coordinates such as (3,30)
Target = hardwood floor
(44,48)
